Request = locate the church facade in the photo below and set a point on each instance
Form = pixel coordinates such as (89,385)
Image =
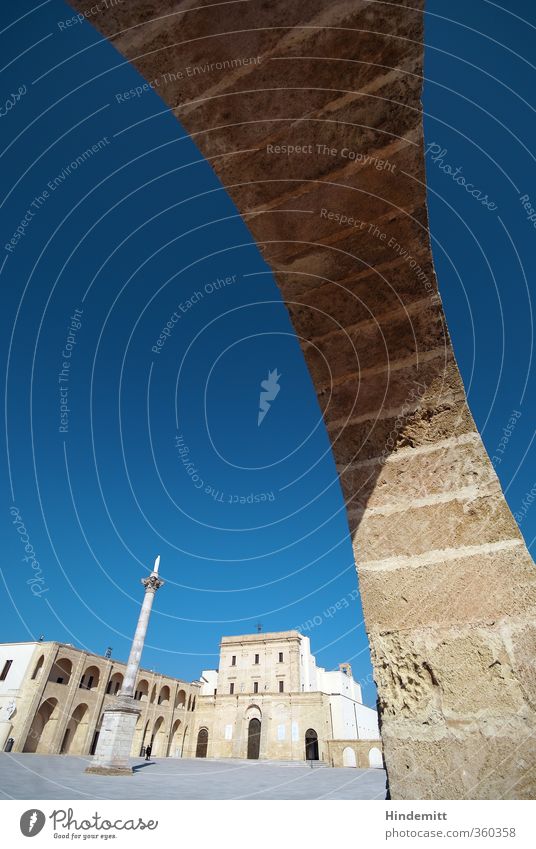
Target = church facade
(267,700)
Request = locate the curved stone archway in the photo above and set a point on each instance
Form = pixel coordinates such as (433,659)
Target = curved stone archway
(346,234)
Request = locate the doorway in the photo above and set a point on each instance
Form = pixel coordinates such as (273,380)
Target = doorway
(202,743)
(311,745)
(254,739)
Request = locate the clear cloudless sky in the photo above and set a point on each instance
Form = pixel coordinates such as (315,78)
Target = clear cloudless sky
(162,452)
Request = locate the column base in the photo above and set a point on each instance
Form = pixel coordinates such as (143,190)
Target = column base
(112,756)
(109,770)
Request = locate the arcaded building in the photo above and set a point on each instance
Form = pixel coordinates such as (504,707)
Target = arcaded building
(267,700)
(53,695)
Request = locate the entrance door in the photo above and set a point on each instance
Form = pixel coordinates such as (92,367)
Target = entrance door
(202,744)
(311,745)
(254,739)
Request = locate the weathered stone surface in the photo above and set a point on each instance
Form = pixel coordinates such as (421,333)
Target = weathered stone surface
(451,591)
(404,476)
(417,529)
(347,76)
(472,766)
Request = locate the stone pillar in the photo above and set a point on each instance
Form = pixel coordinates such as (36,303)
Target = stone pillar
(114,745)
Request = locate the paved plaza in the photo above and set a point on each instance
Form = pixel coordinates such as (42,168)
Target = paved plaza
(62,777)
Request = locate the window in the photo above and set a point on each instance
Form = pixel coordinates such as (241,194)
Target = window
(5,670)
(255,686)
(281,685)
(231,689)
(233,660)
(280,657)
(256,658)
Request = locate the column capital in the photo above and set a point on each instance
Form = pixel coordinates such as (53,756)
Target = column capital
(152,583)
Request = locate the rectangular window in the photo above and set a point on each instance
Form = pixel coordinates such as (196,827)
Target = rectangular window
(5,670)
(233,660)
(280,657)
(256,658)
(231,689)
(255,686)
(281,685)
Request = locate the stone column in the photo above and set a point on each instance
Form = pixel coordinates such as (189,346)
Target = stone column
(114,745)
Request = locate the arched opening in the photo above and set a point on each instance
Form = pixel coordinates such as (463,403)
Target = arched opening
(75,732)
(181,699)
(348,757)
(61,671)
(202,743)
(254,738)
(375,758)
(158,739)
(142,692)
(143,742)
(114,684)
(93,747)
(90,678)
(38,667)
(174,750)
(163,698)
(42,728)
(311,745)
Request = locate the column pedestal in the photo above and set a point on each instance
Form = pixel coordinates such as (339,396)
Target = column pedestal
(115,739)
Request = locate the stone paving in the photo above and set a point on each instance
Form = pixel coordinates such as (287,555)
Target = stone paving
(62,777)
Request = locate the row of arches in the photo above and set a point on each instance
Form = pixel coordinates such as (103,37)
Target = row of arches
(61,672)
(375,758)
(161,745)
(74,741)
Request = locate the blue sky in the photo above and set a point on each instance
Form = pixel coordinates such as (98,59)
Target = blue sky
(177,320)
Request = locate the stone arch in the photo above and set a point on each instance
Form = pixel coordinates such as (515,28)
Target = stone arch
(138,745)
(153,694)
(90,678)
(189,701)
(202,743)
(423,499)
(253,712)
(142,690)
(180,701)
(74,737)
(175,739)
(375,758)
(43,726)
(61,670)
(164,695)
(115,683)
(38,668)
(348,756)
(158,739)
